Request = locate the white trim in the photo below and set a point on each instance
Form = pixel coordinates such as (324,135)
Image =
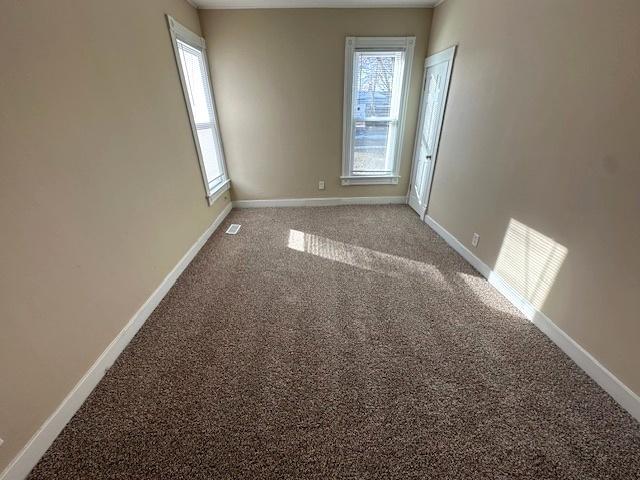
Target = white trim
(382,42)
(411,200)
(254,4)
(177,32)
(219,190)
(369,179)
(31,453)
(447,55)
(318,202)
(351,45)
(622,394)
(443,56)
(184,34)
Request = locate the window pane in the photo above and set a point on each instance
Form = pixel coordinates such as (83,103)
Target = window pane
(194,71)
(208,147)
(195,76)
(377,86)
(375,83)
(371,147)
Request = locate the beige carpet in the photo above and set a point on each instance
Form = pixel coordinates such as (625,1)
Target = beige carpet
(341,342)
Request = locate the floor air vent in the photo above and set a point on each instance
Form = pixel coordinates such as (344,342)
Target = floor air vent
(233,229)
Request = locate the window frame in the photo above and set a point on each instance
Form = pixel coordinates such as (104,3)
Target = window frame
(182,33)
(352,45)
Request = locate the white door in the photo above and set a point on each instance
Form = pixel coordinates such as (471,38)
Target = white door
(437,73)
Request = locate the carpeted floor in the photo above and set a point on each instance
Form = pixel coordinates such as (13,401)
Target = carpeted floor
(341,342)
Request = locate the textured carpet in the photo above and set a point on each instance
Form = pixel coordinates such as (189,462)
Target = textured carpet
(341,342)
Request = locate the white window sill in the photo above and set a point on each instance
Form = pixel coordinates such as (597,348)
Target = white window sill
(219,190)
(369,179)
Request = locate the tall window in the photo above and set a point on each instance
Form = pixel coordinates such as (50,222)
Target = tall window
(377,72)
(191,57)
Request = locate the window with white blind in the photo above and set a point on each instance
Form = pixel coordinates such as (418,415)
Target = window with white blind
(377,73)
(191,57)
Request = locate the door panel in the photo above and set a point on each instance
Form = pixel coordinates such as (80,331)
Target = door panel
(435,86)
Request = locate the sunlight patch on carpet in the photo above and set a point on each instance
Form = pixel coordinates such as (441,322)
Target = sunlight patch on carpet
(365,258)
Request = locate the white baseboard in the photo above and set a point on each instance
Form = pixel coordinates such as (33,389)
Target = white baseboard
(31,453)
(319,202)
(622,394)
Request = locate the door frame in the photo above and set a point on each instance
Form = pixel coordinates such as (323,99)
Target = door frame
(440,57)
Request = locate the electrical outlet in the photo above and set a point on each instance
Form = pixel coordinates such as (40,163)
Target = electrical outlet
(321,185)
(475,239)
(1,442)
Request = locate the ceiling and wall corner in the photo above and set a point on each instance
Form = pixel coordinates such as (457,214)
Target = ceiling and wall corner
(257,4)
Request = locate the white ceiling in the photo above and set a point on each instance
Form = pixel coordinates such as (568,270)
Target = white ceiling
(312,3)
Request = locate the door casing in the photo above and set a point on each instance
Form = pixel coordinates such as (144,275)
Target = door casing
(446,55)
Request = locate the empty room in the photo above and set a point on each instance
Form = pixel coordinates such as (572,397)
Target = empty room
(320,239)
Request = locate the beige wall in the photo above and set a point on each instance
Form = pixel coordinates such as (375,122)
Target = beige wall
(278,77)
(100,189)
(542,127)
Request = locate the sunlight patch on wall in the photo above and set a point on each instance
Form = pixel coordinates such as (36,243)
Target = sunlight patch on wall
(365,258)
(529,262)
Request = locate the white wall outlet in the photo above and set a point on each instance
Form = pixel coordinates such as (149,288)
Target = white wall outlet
(321,185)
(475,239)
(1,442)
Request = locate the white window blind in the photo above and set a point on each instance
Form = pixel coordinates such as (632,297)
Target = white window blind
(376,80)
(194,74)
